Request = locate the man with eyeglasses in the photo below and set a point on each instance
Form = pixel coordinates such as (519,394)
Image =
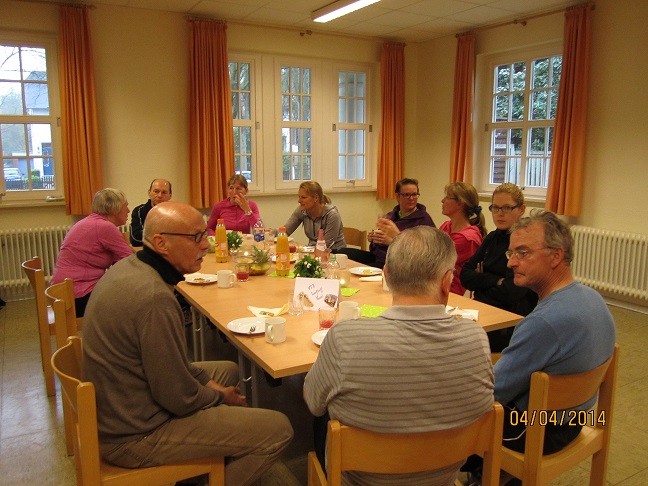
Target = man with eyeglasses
(408,213)
(159,191)
(153,406)
(570,331)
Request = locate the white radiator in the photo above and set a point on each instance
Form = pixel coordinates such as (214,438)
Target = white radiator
(18,245)
(613,262)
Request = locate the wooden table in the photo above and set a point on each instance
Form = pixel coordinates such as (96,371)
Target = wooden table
(298,353)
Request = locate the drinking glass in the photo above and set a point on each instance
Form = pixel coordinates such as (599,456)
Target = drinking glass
(327,317)
(242,271)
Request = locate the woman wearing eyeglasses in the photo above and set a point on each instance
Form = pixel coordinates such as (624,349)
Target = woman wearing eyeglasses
(466,226)
(408,213)
(486,272)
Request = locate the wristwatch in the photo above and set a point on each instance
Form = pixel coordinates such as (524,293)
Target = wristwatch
(248,213)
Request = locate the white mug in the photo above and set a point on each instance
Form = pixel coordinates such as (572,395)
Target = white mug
(349,310)
(275,330)
(342,260)
(225,278)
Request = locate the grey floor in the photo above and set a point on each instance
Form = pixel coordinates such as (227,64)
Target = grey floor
(32,447)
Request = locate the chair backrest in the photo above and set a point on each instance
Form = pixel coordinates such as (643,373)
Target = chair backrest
(61,298)
(79,396)
(353,449)
(33,268)
(355,237)
(560,392)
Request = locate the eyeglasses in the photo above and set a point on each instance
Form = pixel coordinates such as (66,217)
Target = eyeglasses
(522,254)
(198,237)
(448,197)
(504,209)
(413,195)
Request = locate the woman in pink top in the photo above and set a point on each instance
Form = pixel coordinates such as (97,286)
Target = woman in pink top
(92,245)
(466,226)
(237,210)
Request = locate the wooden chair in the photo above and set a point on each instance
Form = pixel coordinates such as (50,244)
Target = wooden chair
(559,392)
(33,268)
(90,469)
(355,237)
(61,298)
(353,449)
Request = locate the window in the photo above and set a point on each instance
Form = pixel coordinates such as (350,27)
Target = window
(352,127)
(242,111)
(28,118)
(296,123)
(299,119)
(520,125)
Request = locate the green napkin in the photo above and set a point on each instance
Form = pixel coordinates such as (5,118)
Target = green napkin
(274,274)
(372,310)
(347,292)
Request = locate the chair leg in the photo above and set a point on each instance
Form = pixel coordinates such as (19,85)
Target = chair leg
(68,421)
(598,471)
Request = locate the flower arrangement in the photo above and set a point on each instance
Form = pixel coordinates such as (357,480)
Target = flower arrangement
(308,267)
(234,240)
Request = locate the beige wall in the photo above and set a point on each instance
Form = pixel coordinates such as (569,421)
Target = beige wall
(141,67)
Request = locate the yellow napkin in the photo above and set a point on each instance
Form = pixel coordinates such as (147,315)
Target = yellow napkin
(372,310)
(265,312)
(274,274)
(348,292)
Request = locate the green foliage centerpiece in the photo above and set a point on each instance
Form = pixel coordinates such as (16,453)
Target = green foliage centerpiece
(234,240)
(308,267)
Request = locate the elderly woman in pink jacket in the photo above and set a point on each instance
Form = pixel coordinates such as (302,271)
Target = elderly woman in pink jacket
(92,245)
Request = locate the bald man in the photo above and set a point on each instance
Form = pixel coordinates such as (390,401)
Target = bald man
(159,191)
(153,406)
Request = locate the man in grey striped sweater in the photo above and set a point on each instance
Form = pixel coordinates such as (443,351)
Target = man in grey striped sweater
(412,369)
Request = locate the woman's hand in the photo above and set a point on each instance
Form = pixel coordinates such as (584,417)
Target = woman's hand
(241,201)
(384,233)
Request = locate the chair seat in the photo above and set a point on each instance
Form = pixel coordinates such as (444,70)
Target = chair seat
(170,473)
(588,441)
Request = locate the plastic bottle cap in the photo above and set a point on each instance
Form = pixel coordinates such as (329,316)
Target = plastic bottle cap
(282,228)
(220,220)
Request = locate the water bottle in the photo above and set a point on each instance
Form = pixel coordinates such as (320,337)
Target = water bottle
(333,268)
(258,231)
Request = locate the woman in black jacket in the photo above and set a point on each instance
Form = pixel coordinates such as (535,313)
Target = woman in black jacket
(486,273)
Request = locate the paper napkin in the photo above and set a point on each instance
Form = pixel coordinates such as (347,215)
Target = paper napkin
(348,292)
(274,274)
(372,310)
(265,312)
(373,278)
(472,314)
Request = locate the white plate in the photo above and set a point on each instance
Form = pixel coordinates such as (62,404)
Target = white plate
(293,258)
(244,324)
(201,278)
(366,271)
(319,336)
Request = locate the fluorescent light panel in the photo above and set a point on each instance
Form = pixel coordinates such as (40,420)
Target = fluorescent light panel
(339,8)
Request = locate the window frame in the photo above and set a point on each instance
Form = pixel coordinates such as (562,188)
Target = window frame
(34,197)
(267,149)
(485,126)
(255,108)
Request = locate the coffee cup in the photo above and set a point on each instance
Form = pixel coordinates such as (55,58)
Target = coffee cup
(225,278)
(342,260)
(349,310)
(275,330)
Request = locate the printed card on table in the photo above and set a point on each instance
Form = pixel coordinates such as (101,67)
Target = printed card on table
(317,292)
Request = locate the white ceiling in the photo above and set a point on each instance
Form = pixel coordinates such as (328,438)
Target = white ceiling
(392,20)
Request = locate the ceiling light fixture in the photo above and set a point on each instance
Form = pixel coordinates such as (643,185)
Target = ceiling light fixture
(339,8)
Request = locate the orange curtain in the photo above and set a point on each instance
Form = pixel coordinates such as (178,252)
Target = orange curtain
(211,132)
(461,149)
(82,171)
(391,145)
(564,193)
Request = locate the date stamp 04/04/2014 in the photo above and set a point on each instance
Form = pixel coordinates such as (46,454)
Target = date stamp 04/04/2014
(530,418)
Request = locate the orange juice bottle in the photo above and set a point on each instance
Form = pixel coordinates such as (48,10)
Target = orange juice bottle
(221,242)
(283,253)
